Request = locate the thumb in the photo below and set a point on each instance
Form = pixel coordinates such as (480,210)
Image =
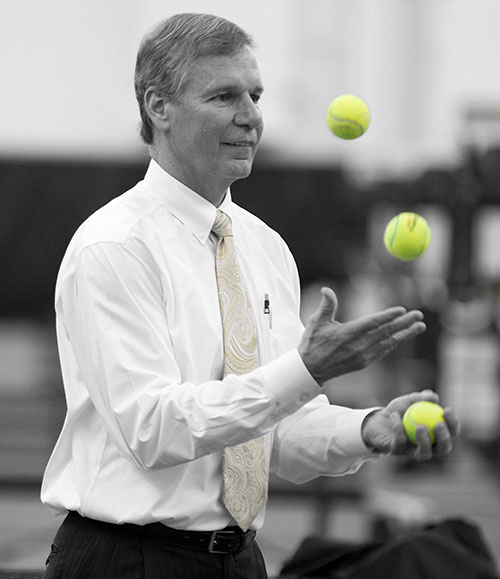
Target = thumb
(328,307)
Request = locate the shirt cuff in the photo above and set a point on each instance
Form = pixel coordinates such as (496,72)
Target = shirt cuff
(289,381)
(351,433)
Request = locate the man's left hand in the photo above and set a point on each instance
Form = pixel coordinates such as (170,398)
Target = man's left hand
(383,431)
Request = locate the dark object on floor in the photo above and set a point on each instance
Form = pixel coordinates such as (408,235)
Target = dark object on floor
(451,549)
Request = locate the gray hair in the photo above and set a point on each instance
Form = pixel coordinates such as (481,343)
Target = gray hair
(167,52)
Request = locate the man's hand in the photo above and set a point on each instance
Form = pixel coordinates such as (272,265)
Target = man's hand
(330,348)
(383,431)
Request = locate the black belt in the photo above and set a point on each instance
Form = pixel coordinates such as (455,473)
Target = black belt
(223,542)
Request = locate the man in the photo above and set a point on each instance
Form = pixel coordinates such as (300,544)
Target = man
(187,372)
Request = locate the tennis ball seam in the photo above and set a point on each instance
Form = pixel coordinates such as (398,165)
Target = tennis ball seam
(349,122)
(395,232)
(413,423)
(416,424)
(396,235)
(410,421)
(348,116)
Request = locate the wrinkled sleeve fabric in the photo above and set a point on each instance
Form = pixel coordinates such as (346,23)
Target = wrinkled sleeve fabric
(319,439)
(112,308)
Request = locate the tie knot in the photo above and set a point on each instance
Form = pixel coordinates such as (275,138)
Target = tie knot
(222,225)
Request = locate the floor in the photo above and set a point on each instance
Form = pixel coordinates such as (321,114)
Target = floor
(461,486)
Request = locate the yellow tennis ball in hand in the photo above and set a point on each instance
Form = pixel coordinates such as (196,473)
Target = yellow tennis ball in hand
(423,412)
(348,116)
(407,236)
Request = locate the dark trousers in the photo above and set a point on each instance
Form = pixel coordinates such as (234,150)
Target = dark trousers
(87,549)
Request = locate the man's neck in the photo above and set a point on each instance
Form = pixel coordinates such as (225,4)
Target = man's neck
(213,194)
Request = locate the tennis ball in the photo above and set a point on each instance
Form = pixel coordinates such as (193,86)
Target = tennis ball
(348,116)
(423,412)
(407,236)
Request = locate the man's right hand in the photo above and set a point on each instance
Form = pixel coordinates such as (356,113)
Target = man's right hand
(330,348)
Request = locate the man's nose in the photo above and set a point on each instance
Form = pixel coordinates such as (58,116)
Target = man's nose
(248,113)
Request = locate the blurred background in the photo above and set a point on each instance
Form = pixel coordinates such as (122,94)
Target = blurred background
(430,74)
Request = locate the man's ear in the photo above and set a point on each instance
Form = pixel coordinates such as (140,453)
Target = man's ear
(158,108)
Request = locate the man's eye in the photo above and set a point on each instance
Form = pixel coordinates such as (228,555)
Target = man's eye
(256,98)
(223,98)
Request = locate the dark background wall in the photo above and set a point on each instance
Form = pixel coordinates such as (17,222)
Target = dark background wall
(321,214)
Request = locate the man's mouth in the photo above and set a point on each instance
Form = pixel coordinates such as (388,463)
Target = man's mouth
(241,143)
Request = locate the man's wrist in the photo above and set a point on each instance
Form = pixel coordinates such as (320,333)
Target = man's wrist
(365,432)
(308,365)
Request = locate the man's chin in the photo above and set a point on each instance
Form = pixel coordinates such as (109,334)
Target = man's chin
(239,168)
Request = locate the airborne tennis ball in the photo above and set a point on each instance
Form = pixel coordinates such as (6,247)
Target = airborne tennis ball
(348,116)
(407,236)
(423,412)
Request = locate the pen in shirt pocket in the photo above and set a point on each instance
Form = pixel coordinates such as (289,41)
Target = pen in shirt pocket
(268,310)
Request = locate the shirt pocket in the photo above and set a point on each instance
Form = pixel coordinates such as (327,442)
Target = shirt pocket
(269,342)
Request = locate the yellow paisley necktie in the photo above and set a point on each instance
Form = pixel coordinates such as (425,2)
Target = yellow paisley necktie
(244,465)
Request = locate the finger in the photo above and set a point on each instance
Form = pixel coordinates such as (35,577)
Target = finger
(452,421)
(382,344)
(442,435)
(426,394)
(424,444)
(409,322)
(374,322)
(378,347)
(400,440)
(402,403)
(408,333)
(328,306)
(404,321)
(400,330)
(389,343)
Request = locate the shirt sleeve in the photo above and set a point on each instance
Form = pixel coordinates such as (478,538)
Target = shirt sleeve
(113,312)
(320,439)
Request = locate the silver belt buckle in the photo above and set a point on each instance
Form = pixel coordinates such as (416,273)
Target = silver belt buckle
(212,547)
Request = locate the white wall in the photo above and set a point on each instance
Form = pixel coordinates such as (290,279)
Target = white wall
(67,74)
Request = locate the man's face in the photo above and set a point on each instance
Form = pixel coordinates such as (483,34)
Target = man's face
(215,130)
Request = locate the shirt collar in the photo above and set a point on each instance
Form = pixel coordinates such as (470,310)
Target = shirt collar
(186,205)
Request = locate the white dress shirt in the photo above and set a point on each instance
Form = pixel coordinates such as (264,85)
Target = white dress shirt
(140,342)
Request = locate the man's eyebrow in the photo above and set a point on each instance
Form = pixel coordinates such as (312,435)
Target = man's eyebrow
(233,87)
